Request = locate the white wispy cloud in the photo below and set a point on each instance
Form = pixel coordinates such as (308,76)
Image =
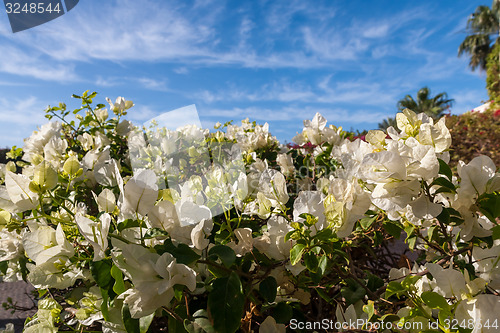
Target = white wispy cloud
(15,61)
(328,91)
(20,116)
(152,84)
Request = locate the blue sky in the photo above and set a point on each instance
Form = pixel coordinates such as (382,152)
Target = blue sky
(271,61)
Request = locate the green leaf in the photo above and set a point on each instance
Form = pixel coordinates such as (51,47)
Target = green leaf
(296,253)
(311,261)
(322,264)
(369,309)
(224,253)
(226,303)
(131,325)
(324,235)
(374,282)
(119,286)
(394,288)
(145,322)
(42,292)
(3,267)
(323,294)
(435,301)
(183,253)
(410,281)
(128,223)
(393,229)
(489,205)
(446,185)
(444,169)
(268,289)
(101,272)
(496,232)
(282,313)
(353,292)
(104,304)
(444,216)
(366,222)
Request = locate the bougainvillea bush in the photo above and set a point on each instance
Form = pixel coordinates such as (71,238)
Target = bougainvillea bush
(473,134)
(327,234)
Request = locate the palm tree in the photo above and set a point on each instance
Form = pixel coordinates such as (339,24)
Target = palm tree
(432,106)
(386,123)
(483,27)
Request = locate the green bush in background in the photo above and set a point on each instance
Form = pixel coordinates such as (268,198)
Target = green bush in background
(474,134)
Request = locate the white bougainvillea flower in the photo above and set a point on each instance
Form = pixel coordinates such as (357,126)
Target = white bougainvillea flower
(285,162)
(153,276)
(19,193)
(346,204)
(269,325)
(409,122)
(350,315)
(272,242)
(449,282)
(11,245)
(245,241)
(119,105)
(59,274)
(190,213)
(5,202)
(310,202)
(163,215)
(437,135)
(140,193)
(423,208)
(474,178)
(50,250)
(106,201)
(264,206)
(273,185)
(422,161)
(35,144)
(45,318)
(487,264)
(197,222)
(383,167)
(45,176)
(482,309)
(96,233)
(474,225)
(44,244)
(200,234)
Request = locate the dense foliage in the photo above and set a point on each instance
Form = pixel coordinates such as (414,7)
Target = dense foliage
(474,134)
(493,75)
(125,229)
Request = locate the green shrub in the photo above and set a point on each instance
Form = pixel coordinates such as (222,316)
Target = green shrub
(3,155)
(474,134)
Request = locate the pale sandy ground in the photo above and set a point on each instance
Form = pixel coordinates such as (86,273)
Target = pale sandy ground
(21,296)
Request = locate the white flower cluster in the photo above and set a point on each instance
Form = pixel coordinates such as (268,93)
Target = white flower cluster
(136,235)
